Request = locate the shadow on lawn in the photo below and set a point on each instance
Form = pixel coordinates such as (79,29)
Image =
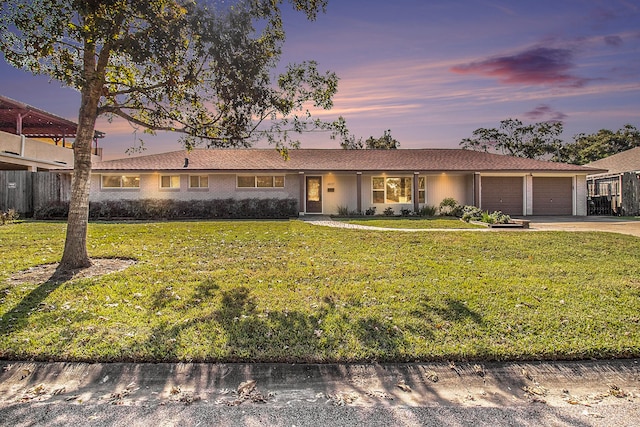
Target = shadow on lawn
(18,316)
(249,335)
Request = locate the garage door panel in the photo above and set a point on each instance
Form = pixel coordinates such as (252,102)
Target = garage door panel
(502,194)
(552,196)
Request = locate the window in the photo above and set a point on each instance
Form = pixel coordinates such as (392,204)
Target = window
(116,181)
(260,181)
(396,189)
(198,181)
(170,181)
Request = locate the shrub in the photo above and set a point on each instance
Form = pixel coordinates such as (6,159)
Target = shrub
(8,216)
(53,210)
(370,211)
(389,211)
(472,213)
(405,211)
(179,209)
(450,207)
(343,210)
(428,211)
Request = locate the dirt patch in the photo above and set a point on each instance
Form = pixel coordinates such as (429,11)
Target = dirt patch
(50,273)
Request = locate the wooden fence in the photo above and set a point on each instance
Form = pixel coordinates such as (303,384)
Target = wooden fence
(26,191)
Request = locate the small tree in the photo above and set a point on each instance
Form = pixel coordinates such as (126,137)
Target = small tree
(174,65)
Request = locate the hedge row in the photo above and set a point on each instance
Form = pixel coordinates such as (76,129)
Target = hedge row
(177,209)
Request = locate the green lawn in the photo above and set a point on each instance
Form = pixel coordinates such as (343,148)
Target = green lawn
(412,223)
(291,291)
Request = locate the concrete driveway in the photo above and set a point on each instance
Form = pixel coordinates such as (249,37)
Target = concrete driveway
(585,223)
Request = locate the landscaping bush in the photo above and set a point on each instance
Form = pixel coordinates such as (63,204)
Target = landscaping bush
(473,213)
(8,216)
(178,209)
(428,211)
(450,207)
(389,211)
(405,211)
(343,211)
(370,211)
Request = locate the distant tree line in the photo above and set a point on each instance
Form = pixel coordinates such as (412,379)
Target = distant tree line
(385,142)
(542,141)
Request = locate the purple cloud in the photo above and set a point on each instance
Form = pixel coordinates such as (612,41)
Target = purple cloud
(539,65)
(545,113)
(613,40)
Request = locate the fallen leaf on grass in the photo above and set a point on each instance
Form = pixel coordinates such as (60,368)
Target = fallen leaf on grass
(592,414)
(342,399)
(537,390)
(246,387)
(378,394)
(33,393)
(478,370)
(432,376)
(616,391)
(404,387)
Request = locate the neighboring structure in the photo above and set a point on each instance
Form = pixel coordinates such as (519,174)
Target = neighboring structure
(323,180)
(34,140)
(616,192)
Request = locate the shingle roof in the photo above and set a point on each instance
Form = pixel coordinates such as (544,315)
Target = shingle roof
(627,161)
(336,160)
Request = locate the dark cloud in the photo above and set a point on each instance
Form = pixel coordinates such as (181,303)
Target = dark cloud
(539,65)
(544,113)
(613,40)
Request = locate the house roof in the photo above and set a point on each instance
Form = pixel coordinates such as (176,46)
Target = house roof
(336,160)
(627,161)
(36,123)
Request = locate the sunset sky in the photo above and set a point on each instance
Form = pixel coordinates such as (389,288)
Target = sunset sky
(434,71)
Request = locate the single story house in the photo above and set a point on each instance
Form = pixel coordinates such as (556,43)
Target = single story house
(322,180)
(616,191)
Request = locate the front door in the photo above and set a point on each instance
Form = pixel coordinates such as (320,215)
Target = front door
(314,194)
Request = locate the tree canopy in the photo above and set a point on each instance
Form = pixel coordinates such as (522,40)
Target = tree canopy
(534,141)
(604,143)
(385,142)
(178,65)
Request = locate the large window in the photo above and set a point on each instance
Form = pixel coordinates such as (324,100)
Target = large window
(198,181)
(396,189)
(260,181)
(117,181)
(170,181)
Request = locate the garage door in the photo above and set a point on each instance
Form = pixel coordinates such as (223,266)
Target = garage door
(552,196)
(501,194)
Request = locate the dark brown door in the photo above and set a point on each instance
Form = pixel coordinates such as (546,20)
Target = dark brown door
(502,194)
(314,194)
(552,196)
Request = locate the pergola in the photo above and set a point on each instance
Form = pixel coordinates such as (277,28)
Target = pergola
(21,119)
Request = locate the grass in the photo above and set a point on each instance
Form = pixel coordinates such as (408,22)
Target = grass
(294,292)
(413,223)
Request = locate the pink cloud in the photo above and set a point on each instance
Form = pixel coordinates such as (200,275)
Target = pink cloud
(540,65)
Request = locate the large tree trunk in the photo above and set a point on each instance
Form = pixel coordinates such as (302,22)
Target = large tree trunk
(75,253)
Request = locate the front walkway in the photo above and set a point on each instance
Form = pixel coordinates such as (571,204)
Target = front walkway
(329,222)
